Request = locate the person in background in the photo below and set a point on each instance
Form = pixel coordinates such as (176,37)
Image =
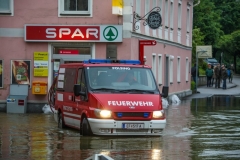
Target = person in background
(229,74)
(217,76)
(214,76)
(194,72)
(232,68)
(224,76)
(209,74)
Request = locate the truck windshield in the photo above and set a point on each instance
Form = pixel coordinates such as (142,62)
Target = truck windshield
(121,78)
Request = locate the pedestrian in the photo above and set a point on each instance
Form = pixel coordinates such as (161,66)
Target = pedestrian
(229,74)
(194,72)
(217,76)
(214,76)
(224,76)
(232,68)
(209,74)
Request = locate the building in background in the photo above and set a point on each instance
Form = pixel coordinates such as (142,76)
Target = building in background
(36,36)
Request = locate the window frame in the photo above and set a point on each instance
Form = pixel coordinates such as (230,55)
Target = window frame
(62,13)
(10,11)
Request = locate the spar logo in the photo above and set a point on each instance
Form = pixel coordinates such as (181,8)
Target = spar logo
(110,33)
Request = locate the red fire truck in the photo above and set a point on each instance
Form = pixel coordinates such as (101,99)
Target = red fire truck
(108,97)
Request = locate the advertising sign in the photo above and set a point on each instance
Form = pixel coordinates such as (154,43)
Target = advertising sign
(204,51)
(154,20)
(20,71)
(76,33)
(1,73)
(40,64)
(117,7)
(68,51)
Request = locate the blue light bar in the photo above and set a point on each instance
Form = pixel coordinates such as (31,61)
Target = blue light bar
(129,61)
(94,61)
(145,114)
(119,114)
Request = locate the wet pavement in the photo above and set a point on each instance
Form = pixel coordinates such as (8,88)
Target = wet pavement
(203,128)
(233,89)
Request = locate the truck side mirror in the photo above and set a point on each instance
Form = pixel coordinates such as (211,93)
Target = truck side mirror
(77,90)
(164,93)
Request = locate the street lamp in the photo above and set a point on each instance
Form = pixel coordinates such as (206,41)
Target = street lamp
(197,68)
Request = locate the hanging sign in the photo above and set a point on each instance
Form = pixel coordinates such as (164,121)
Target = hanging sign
(143,43)
(154,20)
(40,64)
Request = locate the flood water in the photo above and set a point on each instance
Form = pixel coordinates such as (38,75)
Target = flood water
(198,129)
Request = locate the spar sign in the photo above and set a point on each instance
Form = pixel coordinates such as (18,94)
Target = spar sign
(70,33)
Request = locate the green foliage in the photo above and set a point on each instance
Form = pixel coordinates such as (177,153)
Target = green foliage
(204,66)
(208,20)
(236,40)
(193,85)
(217,23)
(202,72)
(229,11)
(198,38)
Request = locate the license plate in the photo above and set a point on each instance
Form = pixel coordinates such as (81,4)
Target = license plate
(132,125)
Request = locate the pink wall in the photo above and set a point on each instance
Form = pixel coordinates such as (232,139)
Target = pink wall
(46,12)
(168,50)
(17,49)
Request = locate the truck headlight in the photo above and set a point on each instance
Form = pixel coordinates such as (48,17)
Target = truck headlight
(103,113)
(158,114)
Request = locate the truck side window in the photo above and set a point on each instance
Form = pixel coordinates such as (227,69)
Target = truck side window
(83,83)
(69,82)
(81,79)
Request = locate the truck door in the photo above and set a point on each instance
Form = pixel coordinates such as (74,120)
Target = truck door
(69,105)
(81,101)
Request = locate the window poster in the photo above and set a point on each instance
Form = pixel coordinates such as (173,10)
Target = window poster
(20,71)
(40,64)
(1,73)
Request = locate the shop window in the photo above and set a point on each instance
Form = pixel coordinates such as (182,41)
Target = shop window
(111,51)
(6,7)
(160,72)
(178,70)
(75,7)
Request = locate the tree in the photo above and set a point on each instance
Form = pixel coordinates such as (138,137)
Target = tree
(198,38)
(230,45)
(208,20)
(229,11)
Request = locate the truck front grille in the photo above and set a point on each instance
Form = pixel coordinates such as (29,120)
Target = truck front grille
(132,114)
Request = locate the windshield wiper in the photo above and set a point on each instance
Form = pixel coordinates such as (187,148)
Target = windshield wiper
(137,90)
(105,89)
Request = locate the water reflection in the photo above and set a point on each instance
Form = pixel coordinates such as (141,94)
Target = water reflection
(196,129)
(217,124)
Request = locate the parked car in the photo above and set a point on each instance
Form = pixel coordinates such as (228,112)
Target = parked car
(211,61)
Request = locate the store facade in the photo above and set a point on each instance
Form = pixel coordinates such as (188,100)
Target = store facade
(44,35)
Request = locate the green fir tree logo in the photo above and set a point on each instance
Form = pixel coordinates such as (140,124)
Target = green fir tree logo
(110,33)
